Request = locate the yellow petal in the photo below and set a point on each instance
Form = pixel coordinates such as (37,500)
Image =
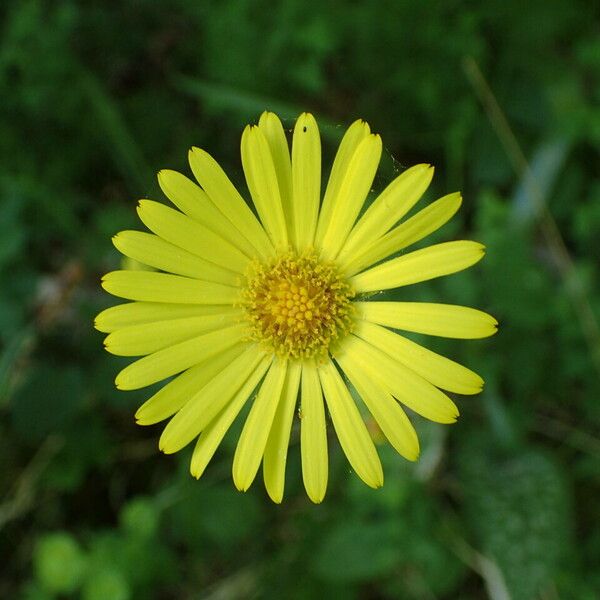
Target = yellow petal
(403,383)
(444,320)
(426,221)
(175,394)
(162,287)
(209,401)
(180,230)
(194,202)
(228,200)
(351,196)
(253,439)
(147,338)
(272,129)
(261,178)
(213,434)
(355,134)
(439,370)
(388,208)
(306,180)
(276,450)
(177,358)
(390,417)
(157,253)
(136,313)
(313,434)
(350,428)
(420,265)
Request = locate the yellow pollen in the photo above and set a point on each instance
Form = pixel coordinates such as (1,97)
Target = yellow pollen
(297,305)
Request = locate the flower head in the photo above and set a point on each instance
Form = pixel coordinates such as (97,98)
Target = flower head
(276,310)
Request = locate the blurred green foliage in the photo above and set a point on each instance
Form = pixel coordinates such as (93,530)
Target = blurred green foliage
(96,96)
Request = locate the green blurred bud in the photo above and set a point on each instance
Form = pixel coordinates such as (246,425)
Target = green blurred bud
(108,584)
(59,563)
(140,518)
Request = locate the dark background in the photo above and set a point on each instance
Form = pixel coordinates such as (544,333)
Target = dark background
(96,96)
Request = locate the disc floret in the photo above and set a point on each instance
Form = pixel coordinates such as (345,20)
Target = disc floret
(297,305)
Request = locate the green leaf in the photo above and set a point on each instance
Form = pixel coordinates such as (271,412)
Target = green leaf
(354,552)
(86,446)
(217,515)
(49,397)
(517,507)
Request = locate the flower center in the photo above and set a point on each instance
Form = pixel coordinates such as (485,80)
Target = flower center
(297,305)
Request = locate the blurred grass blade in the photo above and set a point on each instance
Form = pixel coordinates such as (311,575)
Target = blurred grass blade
(122,145)
(545,167)
(248,104)
(9,359)
(534,193)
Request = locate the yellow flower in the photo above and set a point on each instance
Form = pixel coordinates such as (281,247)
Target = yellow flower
(280,304)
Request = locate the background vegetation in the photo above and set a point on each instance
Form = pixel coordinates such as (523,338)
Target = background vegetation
(97,95)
